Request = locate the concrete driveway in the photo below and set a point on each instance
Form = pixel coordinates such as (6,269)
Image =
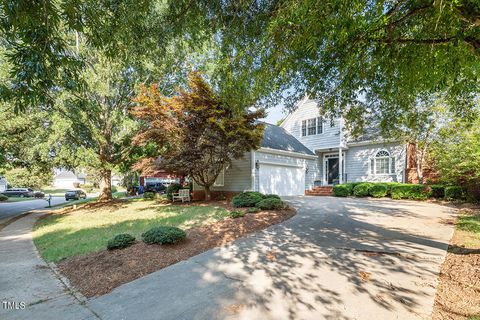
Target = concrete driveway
(336,259)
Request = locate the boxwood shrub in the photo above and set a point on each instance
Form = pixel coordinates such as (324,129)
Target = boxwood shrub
(253,210)
(271,196)
(163,235)
(270,204)
(437,191)
(342,190)
(362,189)
(409,191)
(378,190)
(3,197)
(120,241)
(454,193)
(247,199)
(149,195)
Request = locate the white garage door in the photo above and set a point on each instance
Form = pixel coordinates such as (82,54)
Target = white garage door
(281,180)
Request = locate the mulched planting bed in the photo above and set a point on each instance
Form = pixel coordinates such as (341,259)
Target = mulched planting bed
(99,273)
(458,291)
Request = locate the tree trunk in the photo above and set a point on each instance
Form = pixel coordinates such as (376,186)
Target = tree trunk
(106,186)
(207,193)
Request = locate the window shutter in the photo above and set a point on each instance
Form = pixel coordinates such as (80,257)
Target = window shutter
(372,166)
(392,165)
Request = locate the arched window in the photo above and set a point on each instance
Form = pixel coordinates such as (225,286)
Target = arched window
(383,163)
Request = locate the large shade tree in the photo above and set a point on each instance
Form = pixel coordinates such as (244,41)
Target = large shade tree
(197,132)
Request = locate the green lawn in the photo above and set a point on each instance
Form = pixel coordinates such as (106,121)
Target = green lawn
(470,225)
(82,231)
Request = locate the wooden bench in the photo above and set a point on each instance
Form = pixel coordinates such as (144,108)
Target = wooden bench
(183,194)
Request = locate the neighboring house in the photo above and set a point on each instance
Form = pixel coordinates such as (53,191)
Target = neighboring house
(67,179)
(3,184)
(158,176)
(307,150)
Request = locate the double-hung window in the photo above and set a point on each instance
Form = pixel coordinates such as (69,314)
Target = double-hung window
(304,128)
(312,126)
(382,163)
(319,125)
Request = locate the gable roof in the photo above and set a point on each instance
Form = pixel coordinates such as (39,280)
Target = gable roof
(275,137)
(65,175)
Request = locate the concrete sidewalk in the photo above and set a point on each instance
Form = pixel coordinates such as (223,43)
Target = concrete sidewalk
(28,287)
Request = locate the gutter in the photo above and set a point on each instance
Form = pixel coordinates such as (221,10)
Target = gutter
(287,153)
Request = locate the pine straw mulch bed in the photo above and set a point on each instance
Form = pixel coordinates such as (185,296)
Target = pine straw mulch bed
(99,273)
(458,291)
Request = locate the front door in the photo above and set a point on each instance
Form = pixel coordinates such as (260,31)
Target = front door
(332,170)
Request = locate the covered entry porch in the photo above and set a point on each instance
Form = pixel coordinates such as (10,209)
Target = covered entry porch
(332,164)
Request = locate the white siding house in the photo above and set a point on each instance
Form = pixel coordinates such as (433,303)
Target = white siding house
(340,159)
(309,151)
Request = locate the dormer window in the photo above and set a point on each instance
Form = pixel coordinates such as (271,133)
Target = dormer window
(312,126)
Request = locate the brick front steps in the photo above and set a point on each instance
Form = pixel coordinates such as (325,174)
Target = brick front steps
(320,191)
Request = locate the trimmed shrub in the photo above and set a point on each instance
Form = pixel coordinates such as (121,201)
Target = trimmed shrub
(114,189)
(438,191)
(3,197)
(149,195)
(454,193)
(409,191)
(267,196)
(362,189)
(236,214)
(163,235)
(342,190)
(270,204)
(120,241)
(253,210)
(378,190)
(247,199)
(173,188)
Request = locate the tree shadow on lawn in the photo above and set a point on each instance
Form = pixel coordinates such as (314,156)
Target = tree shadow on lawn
(331,263)
(68,241)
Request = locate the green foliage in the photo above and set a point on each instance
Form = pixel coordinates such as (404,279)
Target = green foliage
(342,190)
(362,189)
(149,195)
(25,178)
(236,214)
(247,199)
(253,210)
(171,189)
(457,156)
(204,131)
(120,241)
(454,193)
(437,191)
(114,189)
(409,191)
(378,190)
(88,188)
(271,196)
(164,235)
(270,204)
(3,197)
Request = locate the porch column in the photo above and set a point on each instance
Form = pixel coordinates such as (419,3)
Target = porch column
(340,166)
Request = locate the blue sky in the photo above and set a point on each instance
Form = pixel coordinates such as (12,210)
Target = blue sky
(274,114)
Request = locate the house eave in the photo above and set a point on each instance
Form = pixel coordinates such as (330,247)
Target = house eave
(370,142)
(287,153)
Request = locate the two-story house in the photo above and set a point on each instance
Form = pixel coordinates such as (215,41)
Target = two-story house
(308,151)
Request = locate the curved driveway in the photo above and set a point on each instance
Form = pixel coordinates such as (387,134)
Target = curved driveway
(338,258)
